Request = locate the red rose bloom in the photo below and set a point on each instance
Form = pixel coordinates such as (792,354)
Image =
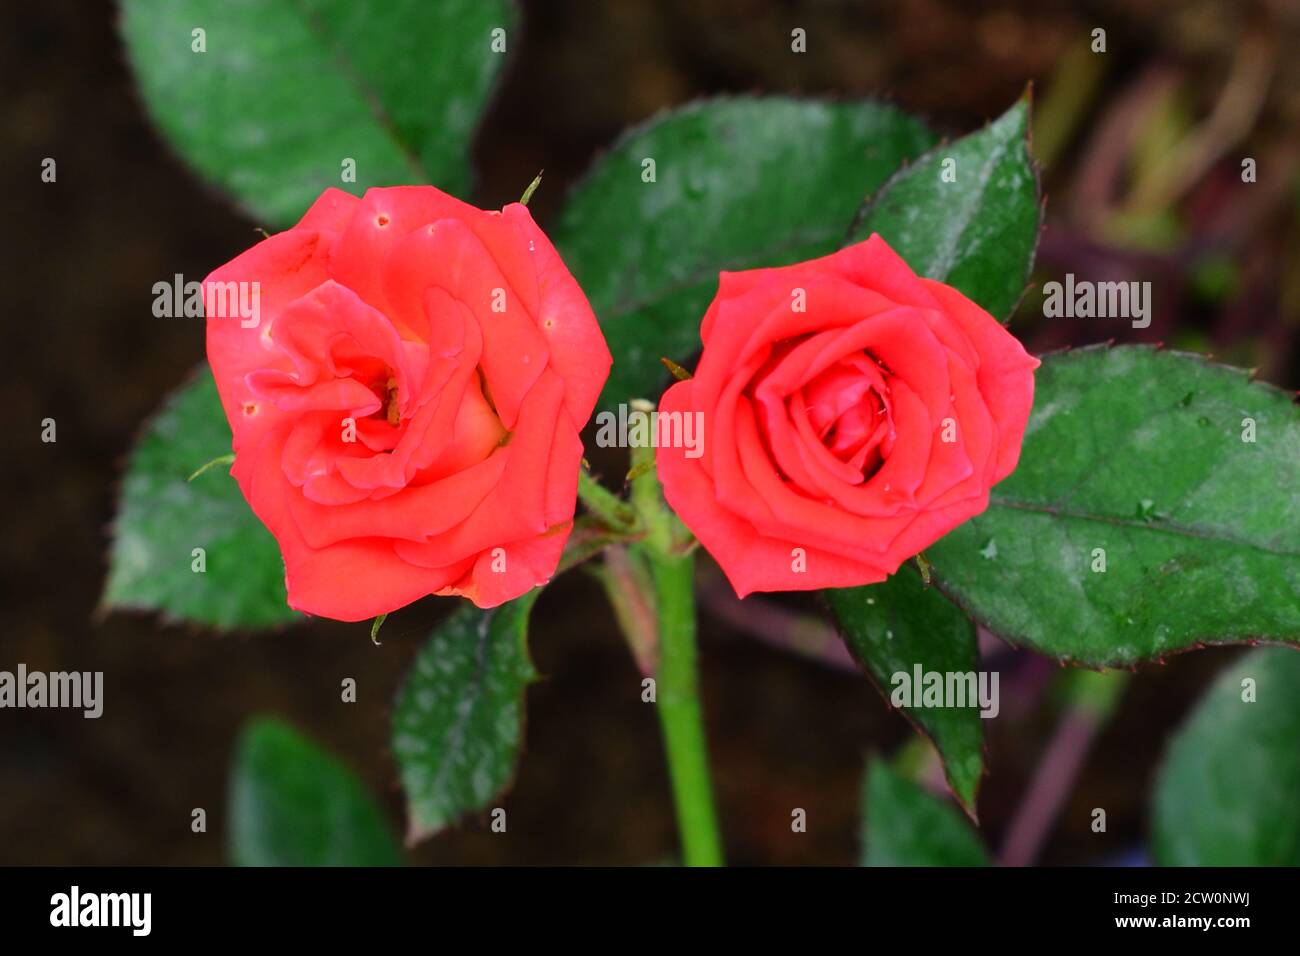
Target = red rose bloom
(852,414)
(406,406)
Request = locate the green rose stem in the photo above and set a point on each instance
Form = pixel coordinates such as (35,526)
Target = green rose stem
(1090,699)
(604,504)
(678,703)
(625,576)
(666,549)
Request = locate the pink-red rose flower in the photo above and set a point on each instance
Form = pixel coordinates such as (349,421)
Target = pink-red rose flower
(853,414)
(406,409)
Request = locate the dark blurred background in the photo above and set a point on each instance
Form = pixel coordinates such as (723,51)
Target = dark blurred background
(1142,148)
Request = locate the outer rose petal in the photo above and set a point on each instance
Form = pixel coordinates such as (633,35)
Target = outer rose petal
(578,350)
(527,564)
(1005,376)
(384,217)
(331,212)
(286,267)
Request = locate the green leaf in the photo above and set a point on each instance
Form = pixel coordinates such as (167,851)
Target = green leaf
(287,90)
(162,518)
(1138,453)
(905,825)
(292,804)
(976,232)
(738,184)
(458,719)
(1228,793)
(892,627)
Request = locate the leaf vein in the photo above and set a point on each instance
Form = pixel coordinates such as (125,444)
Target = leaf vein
(1165,527)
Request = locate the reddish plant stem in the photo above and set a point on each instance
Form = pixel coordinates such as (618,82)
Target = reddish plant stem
(1051,784)
(773,624)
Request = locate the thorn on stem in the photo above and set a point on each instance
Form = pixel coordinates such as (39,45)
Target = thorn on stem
(679,373)
(532,188)
(228,459)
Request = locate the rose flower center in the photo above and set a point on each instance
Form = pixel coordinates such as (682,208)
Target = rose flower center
(834,422)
